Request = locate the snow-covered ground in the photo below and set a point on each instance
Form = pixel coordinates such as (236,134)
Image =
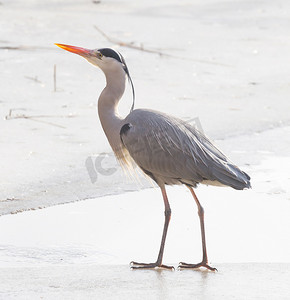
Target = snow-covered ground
(82,250)
(227,66)
(223,62)
(238,281)
(116,229)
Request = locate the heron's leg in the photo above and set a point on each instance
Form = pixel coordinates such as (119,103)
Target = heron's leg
(204,262)
(158,263)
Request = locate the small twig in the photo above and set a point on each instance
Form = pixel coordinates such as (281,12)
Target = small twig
(141,48)
(23,47)
(33,78)
(34,118)
(41,121)
(54,77)
(11,48)
(128,45)
(10,117)
(9,199)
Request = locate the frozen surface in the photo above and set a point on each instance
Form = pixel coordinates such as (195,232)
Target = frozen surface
(228,66)
(82,250)
(234,281)
(241,227)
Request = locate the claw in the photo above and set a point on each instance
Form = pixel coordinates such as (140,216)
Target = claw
(135,265)
(183,265)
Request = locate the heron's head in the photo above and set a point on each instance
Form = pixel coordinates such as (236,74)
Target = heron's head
(107,59)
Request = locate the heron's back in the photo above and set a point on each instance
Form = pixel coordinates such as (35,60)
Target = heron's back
(172,151)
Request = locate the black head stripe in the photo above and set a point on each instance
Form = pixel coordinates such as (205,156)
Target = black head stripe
(107,52)
(110,53)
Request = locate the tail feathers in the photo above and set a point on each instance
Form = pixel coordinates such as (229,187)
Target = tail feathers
(247,176)
(232,176)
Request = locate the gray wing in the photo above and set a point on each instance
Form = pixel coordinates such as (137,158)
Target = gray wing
(171,151)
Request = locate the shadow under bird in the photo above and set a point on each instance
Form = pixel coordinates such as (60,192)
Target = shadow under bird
(167,149)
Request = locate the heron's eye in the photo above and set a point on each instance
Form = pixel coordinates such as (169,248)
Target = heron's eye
(99,55)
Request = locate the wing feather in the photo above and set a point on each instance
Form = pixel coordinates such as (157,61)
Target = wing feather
(176,152)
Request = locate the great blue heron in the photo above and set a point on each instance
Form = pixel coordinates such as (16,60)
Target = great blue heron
(167,149)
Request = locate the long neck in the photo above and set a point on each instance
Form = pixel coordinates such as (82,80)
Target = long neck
(108,106)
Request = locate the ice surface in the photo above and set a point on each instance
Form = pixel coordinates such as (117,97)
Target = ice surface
(246,226)
(234,281)
(82,250)
(227,67)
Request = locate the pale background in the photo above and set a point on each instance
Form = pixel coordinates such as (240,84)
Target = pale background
(225,63)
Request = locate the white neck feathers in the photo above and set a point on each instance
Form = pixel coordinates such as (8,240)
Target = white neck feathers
(108,105)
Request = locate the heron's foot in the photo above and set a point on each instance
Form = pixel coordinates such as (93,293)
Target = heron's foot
(204,264)
(135,265)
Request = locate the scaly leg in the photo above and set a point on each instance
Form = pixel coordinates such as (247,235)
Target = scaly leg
(204,262)
(158,263)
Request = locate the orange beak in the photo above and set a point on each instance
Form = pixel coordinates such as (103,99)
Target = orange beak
(73,49)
